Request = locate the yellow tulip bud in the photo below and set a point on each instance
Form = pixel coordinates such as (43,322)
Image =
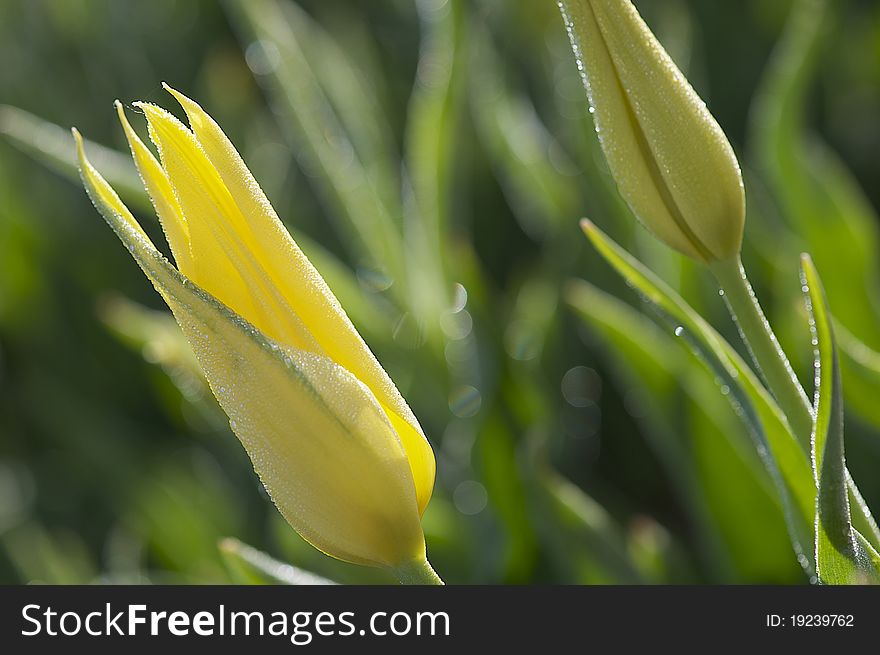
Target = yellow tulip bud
(332,439)
(672,163)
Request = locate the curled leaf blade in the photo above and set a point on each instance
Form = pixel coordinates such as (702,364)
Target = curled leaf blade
(843,556)
(779,449)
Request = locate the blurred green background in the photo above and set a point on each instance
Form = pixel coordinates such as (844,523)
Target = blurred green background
(433,159)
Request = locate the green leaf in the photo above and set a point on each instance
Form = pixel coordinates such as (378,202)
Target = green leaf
(841,556)
(777,445)
(247,565)
(733,507)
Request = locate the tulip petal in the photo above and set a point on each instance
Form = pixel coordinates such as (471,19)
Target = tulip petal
(323,447)
(304,289)
(161,194)
(225,264)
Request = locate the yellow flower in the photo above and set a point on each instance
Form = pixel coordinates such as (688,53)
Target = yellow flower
(670,159)
(329,434)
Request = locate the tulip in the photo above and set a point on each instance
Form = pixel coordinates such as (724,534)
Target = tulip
(675,168)
(671,161)
(335,444)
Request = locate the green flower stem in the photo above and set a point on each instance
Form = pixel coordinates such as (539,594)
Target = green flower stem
(777,372)
(763,346)
(418,572)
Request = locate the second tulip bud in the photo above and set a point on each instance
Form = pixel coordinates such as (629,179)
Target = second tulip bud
(672,162)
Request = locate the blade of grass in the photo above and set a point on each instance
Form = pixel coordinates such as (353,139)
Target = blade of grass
(841,556)
(631,270)
(699,438)
(778,447)
(247,565)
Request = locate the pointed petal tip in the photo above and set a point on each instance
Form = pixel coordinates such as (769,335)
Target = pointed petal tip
(177,94)
(123,119)
(155,114)
(587,225)
(153,111)
(80,150)
(147,107)
(191,107)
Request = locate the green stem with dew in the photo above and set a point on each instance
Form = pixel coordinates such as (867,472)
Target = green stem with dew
(767,354)
(777,372)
